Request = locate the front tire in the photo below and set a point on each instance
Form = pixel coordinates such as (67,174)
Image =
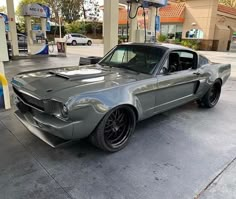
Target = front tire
(115,129)
(89,43)
(212,97)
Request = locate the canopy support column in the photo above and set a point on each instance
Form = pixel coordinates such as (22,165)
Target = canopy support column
(111,13)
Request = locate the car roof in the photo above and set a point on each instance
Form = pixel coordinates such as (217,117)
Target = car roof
(160,45)
(74,34)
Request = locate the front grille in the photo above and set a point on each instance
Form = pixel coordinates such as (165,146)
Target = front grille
(29,100)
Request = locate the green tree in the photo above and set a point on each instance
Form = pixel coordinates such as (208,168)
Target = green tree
(230,3)
(92,14)
(76,27)
(68,9)
(3,9)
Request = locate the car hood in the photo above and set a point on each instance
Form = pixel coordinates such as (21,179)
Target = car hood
(68,81)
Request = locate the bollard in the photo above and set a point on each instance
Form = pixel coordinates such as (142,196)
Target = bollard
(4,93)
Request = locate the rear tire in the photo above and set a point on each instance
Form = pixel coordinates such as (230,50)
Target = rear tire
(113,132)
(212,97)
(74,43)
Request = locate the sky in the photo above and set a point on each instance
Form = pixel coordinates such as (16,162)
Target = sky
(16,2)
(3,2)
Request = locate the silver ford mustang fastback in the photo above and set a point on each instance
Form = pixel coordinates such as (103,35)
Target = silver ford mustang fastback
(105,101)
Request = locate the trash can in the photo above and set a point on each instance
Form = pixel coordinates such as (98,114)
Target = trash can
(89,60)
(2,105)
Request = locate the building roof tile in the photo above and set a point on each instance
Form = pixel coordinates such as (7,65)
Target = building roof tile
(172,13)
(226,9)
(172,10)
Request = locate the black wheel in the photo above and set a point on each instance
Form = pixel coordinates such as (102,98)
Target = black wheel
(89,43)
(212,97)
(115,129)
(74,43)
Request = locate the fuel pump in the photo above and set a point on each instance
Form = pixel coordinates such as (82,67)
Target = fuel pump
(148,34)
(36,33)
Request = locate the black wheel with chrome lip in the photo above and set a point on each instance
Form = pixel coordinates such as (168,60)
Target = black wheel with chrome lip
(115,129)
(212,96)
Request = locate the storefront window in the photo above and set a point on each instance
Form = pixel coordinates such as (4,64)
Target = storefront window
(125,31)
(172,31)
(120,31)
(194,34)
(164,30)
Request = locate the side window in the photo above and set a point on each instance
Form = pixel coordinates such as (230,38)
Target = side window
(181,60)
(203,60)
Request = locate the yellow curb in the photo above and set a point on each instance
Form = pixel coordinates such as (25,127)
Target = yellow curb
(3,80)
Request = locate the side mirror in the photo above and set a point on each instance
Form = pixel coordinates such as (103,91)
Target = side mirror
(165,70)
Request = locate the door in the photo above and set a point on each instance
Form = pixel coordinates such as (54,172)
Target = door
(178,81)
(84,39)
(79,39)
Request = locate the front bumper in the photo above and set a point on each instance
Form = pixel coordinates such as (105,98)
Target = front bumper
(51,140)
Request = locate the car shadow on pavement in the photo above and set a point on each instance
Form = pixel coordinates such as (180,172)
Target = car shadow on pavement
(82,148)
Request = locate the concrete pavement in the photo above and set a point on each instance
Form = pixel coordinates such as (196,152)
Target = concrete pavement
(177,154)
(223,186)
(224,183)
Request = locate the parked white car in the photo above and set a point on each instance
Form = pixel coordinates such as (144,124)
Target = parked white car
(75,39)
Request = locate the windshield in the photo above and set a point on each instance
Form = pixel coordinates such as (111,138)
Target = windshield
(143,59)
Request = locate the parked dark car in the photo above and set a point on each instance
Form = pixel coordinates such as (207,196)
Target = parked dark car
(105,101)
(22,42)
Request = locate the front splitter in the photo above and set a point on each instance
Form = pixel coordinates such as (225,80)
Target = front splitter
(51,140)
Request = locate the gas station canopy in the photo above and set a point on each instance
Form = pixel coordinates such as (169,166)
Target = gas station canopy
(36,10)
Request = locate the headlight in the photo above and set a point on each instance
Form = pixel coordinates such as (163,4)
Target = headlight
(64,111)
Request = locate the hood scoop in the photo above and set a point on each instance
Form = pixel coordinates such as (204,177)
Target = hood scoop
(80,74)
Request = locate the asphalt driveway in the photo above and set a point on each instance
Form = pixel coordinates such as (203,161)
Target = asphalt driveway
(176,154)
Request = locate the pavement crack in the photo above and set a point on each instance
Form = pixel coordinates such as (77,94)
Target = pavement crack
(215,178)
(28,150)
